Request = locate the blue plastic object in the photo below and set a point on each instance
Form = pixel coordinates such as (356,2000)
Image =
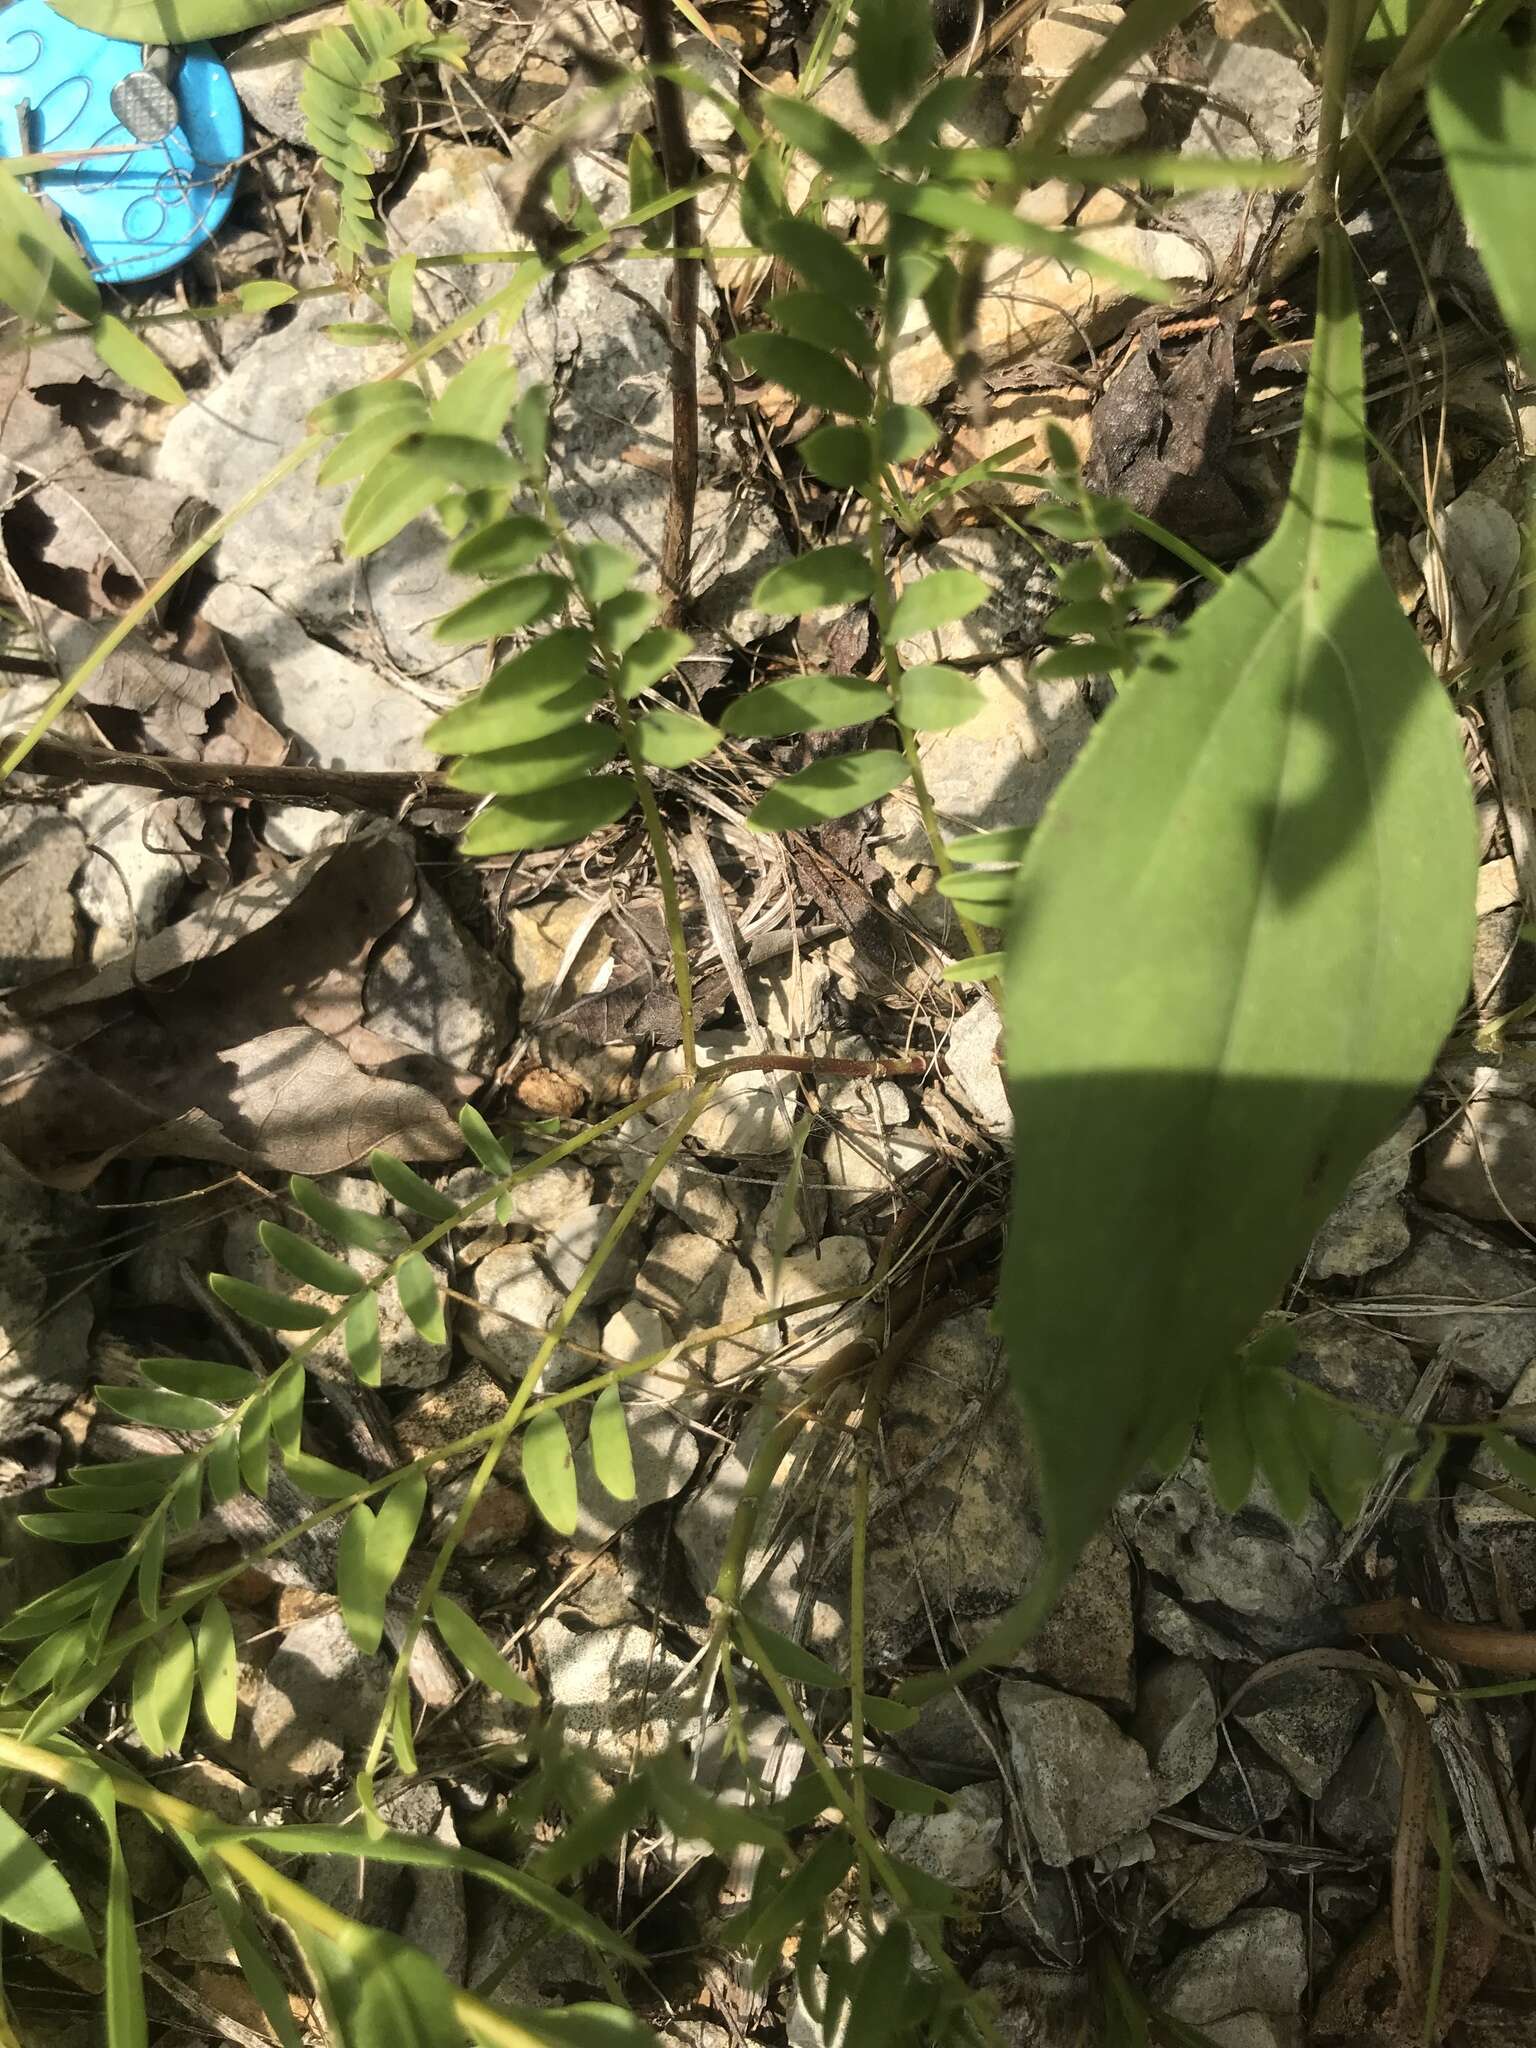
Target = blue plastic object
(63,88)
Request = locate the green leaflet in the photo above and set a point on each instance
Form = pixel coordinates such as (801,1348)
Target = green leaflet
(550,817)
(829,788)
(478,1654)
(216,1672)
(123,1989)
(416,1285)
(823,259)
(933,698)
(34,1896)
(608,1439)
(809,373)
(372,1553)
(672,739)
(549,1471)
(1241,932)
(130,357)
(827,576)
(804,704)
(163,1675)
(1482,103)
(937,599)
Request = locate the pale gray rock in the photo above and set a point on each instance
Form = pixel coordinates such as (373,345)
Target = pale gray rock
(1205,1882)
(970,1055)
(1360,1806)
(517,1304)
(1253,1563)
(434,987)
(665,1453)
(611,1686)
(751,1115)
(318,1702)
(1083,1784)
(1040,2008)
(268,72)
(1448,1290)
(571,1247)
(1369,1229)
(41,853)
(1483,1163)
(1306,1720)
(1256,1963)
(959,1846)
(1176,1726)
(695,1195)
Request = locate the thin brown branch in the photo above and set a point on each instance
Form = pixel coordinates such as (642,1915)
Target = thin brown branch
(677,167)
(320,789)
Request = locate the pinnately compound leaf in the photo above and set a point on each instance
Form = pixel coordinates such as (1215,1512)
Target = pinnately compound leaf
(1243,929)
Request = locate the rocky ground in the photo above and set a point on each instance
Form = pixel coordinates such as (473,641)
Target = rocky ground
(206,996)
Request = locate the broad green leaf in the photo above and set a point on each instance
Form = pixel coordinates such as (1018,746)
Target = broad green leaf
(893,53)
(483,1142)
(409,1189)
(806,372)
(888,1998)
(130,357)
(503,547)
(891,1717)
(50,1662)
(938,599)
(33,1896)
(208,1378)
(223,1467)
(841,455)
(377,1989)
(1097,518)
(1256,882)
(651,658)
(185,1505)
(360,1334)
(175,21)
(163,1674)
(826,576)
(804,704)
(382,1235)
(1482,104)
(504,608)
(823,259)
(539,764)
(161,1411)
(265,1307)
(550,817)
(39,264)
(216,1672)
(478,1654)
(608,1439)
(829,788)
(421,1299)
(813,317)
(549,1472)
(933,698)
(307,1262)
(671,739)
